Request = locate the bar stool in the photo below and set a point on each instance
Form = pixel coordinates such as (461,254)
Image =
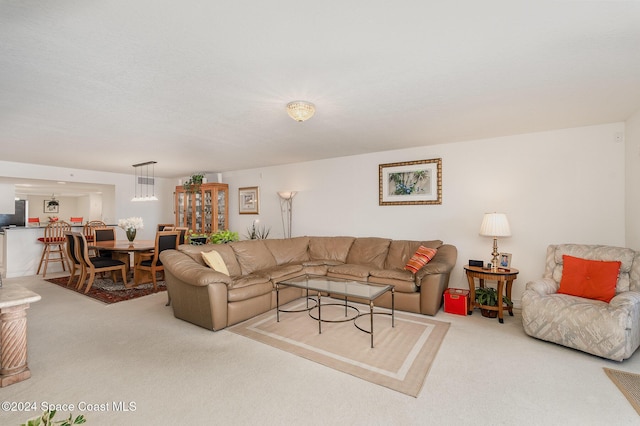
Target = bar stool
(87,231)
(54,242)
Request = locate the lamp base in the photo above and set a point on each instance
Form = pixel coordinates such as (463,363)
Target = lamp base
(495,254)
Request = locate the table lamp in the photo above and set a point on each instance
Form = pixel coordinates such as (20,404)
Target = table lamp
(495,225)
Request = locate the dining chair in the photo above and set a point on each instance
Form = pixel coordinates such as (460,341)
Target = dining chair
(108,233)
(163,226)
(183,232)
(75,265)
(88,228)
(93,265)
(150,261)
(87,231)
(33,221)
(54,242)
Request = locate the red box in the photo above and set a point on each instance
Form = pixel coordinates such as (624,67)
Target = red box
(456,301)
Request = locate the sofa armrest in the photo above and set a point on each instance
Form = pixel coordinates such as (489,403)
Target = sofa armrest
(543,286)
(187,270)
(442,263)
(626,299)
(433,279)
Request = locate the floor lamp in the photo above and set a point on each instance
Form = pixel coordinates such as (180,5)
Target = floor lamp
(286,203)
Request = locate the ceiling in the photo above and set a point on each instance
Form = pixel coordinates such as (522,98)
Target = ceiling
(202,85)
(24,188)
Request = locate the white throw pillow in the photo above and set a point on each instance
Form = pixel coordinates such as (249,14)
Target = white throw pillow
(214,261)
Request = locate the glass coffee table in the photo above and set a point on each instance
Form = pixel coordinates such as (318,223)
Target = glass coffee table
(337,287)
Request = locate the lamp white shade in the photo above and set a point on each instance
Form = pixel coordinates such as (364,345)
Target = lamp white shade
(286,195)
(495,225)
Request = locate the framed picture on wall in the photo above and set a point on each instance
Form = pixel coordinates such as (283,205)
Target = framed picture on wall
(410,182)
(248,198)
(505,260)
(51,206)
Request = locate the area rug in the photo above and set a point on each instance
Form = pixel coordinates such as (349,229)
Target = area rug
(629,385)
(107,291)
(401,357)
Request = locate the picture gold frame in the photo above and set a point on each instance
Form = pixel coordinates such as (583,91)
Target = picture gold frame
(410,182)
(248,199)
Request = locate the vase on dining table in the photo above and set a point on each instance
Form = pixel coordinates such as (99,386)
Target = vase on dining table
(131,234)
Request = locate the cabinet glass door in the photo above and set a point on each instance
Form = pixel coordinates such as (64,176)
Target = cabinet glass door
(222,210)
(207,209)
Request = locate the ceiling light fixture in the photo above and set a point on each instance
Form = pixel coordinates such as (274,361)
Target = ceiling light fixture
(142,178)
(300,110)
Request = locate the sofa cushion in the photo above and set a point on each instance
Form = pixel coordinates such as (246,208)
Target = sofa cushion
(213,259)
(227,254)
(395,274)
(357,271)
(591,279)
(249,280)
(253,255)
(399,286)
(225,251)
(282,271)
(289,250)
(421,257)
(330,248)
(400,251)
(249,287)
(369,251)
(322,262)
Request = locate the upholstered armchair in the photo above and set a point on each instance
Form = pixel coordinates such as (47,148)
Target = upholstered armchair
(609,330)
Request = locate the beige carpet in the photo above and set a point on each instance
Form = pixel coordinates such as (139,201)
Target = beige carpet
(400,360)
(628,383)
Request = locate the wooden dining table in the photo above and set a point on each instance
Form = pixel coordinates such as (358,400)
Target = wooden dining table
(120,250)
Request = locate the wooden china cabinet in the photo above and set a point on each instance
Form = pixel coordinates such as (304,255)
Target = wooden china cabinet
(203,209)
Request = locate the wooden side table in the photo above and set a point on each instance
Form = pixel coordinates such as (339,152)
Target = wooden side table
(502,276)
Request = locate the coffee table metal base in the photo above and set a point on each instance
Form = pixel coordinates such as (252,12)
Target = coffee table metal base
(318,305)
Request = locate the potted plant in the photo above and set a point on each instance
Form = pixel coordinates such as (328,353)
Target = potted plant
(197,239)
(488,296)
(223,237)
(46,419)
(193,183)
(257,233)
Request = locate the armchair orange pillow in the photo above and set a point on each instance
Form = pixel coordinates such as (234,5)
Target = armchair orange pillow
(591,279)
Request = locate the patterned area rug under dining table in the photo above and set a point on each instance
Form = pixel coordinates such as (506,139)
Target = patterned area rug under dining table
(401,357)
(106,291)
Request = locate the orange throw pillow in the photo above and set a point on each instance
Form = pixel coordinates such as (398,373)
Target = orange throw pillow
(591,279)
(421,257)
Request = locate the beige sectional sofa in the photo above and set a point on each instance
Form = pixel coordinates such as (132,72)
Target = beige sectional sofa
(211,299)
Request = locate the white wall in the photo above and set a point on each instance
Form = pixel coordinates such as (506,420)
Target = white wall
(632,141)
(556,187)
(116,206)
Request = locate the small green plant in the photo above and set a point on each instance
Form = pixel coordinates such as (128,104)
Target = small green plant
(223,237)
(488,296)
(193,183)
(46,419)
(257,233)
